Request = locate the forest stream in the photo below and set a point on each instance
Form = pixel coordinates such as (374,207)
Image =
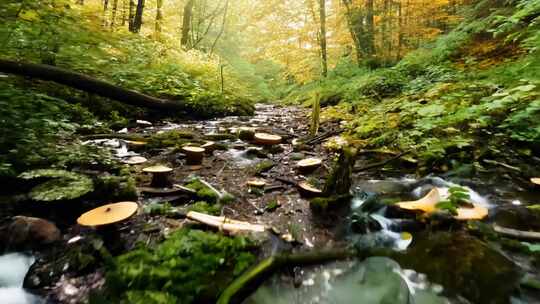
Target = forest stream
(449,260)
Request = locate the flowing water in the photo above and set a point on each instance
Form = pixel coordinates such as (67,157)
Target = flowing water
(13,268)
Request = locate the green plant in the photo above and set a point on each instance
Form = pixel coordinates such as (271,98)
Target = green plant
(458,196)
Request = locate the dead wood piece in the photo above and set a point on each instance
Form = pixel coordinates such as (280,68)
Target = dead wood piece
(517,234)
(177,189)
(224,223)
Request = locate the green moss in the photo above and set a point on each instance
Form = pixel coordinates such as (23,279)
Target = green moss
(171,138)
(321,204)
(263,166)
(64,185)
(204,207)
(272,205)
(191,265)
(203,192)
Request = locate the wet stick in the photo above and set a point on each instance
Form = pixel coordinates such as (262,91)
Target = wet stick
(250,280)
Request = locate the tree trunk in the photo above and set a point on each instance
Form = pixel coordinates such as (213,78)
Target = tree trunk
(131,23)
(222,29)
(324,56)
(114,10)
(186,23)
(88,84)
(105,7)
(370,28)
(159,18)
(124,12)
(138,19)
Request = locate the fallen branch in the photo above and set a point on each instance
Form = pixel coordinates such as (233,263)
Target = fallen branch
(224,223)
(382,163)
(88,84)
(252,278)
(319,138)
(517,234)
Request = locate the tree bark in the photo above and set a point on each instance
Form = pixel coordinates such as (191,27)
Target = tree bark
(324,56)
(159,18)
(114,10)
(138,19)
(131,16)
(186,22)
(88,84)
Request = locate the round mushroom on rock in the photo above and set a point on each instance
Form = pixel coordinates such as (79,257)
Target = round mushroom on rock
(266,139)
(160,175)
(194,155)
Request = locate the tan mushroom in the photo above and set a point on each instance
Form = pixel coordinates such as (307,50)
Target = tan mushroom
(308,190)
(135,160)
(308,164)
(194,155)
(535,180)
(135,145)
(267,139)
(108,214)
(160,175)
(426,204)
(256,183)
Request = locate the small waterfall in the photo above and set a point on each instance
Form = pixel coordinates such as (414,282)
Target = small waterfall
(13,269)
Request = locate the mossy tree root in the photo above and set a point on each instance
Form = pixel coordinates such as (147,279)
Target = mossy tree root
(249,281)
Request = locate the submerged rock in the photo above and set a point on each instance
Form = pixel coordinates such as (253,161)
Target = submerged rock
(464,265)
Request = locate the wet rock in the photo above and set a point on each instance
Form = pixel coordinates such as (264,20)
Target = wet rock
(518,217)
(464,265)
(23,233)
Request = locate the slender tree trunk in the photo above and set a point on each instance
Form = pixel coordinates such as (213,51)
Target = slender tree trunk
(186,23)
(370,28)
(225,11)
(132,16)
(80,2)
(324,55)
(400,31)
(105,7)
(138,19)
(159,18)
(124,12)
(114,10)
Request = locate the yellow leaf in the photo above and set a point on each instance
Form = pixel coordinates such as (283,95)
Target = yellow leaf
(29,15)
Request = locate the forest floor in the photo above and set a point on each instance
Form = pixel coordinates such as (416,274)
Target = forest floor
(294,225)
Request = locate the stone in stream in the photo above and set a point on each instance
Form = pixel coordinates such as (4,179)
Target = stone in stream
(25,232)
(463,264)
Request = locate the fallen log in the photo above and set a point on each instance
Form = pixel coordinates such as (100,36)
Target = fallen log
(252,278)
(88,84)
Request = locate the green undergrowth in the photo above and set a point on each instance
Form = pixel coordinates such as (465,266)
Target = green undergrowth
(36,32)
(473,94)
(191,266)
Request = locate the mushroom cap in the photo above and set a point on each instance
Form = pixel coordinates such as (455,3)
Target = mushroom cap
(309,188)
(135,160)
(157,169)
(535,180)
(193,150)
(208,144)
(309,163)
(267,139)
(256,183)
(475,213)
(108,214)
(426,204)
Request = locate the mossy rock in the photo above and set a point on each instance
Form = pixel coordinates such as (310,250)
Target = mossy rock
(263,166)
(463,264)
(62,185)
(171,138)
